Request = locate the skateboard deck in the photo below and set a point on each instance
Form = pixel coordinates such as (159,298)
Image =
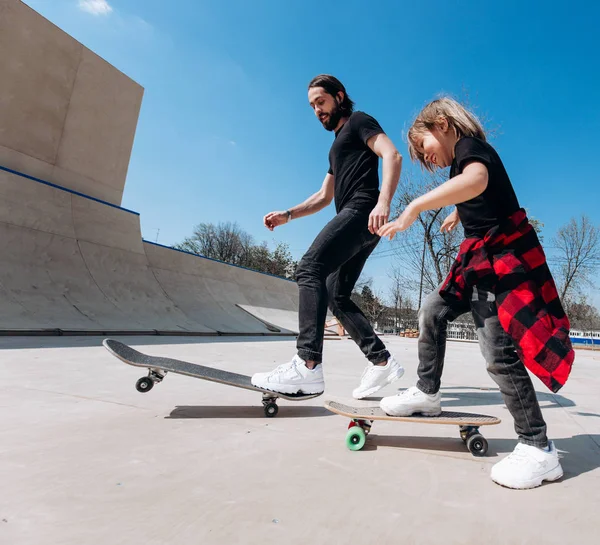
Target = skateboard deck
(158,367)
(362,418)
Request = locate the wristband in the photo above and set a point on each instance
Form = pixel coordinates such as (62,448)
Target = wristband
(289,215)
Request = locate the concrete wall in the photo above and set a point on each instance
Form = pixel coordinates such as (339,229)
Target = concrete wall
(70,262)
(66,115)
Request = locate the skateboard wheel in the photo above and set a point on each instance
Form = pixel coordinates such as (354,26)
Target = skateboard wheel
(356,438)
(144,384)
(271,410)
(477,445)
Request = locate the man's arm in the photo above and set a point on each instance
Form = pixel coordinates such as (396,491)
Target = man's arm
(313,204)
(381,145)
(317,201)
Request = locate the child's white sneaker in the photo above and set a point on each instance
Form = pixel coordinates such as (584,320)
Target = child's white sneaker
(528,467)
(412,401)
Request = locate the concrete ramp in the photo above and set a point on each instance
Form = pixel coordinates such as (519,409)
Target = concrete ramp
(210,292)
(71,259)
(74,264)
(274,317)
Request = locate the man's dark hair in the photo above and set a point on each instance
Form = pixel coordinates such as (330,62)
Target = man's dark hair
(333,86)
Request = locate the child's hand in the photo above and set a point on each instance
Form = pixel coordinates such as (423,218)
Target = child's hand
(406,219)
(450,222)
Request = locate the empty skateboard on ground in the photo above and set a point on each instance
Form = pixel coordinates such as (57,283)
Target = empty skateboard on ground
(363,417)
(158,367)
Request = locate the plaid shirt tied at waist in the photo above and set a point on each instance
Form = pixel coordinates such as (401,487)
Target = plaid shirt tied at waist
(510,262)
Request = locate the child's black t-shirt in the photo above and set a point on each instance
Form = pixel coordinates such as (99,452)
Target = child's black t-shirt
(497,202)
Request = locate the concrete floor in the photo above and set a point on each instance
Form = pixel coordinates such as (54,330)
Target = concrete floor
(86,459)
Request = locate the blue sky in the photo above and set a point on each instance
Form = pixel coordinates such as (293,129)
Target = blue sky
(226,133)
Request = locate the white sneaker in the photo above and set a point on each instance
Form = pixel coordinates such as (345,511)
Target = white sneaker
(412,401)
(375,377)
(292,378)
(527,467)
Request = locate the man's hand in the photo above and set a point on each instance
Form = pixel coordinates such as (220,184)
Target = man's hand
(275,219)
(406,219)
(450,222)
(378,217)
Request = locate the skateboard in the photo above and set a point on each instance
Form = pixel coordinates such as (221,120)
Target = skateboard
(363,417)
(158,367)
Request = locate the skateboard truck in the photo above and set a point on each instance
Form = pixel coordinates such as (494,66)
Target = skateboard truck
(269,402)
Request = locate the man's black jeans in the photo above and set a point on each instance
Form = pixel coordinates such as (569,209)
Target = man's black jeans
(326,275)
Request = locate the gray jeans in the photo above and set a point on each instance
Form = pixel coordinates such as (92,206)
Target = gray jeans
(503,363)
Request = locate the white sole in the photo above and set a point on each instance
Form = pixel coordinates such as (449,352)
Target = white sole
(399,374)
(307,389)
(413,412)
(551,476)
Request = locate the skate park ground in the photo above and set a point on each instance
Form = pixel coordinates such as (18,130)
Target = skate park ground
(86,459)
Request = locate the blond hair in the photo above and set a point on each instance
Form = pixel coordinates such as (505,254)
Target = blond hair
(463,122)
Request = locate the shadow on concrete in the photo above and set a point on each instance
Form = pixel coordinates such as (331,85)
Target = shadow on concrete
(18,342)
(237,411)
(467,396)
(437,444)
(579,454)
(492,396)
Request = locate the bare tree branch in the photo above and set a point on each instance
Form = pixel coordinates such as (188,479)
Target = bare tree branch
(578,243)
(228,242)
(426,253)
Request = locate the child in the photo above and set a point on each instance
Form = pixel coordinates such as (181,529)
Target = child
(501,276)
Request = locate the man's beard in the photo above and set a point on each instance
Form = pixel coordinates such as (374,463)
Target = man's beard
(333,118)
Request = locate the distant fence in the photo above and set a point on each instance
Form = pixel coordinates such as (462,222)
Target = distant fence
(467,332)
(585,339)
(462,332)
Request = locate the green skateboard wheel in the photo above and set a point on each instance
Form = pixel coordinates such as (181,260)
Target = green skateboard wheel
(356,438)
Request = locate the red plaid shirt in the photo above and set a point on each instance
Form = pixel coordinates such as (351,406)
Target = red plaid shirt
(510,262)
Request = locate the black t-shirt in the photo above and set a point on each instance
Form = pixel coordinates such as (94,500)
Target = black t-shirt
(354,165)
(497,202)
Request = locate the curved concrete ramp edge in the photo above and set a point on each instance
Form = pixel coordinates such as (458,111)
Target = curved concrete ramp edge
(75,265)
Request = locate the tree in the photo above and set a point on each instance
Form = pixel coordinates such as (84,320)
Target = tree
(537,227)
(373,306)
(427,253)
(401,312)
(229,243)
(578,244)
(225,241)
(283,261)
(369,302)
(396,296)
(583,315)
(278,262)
